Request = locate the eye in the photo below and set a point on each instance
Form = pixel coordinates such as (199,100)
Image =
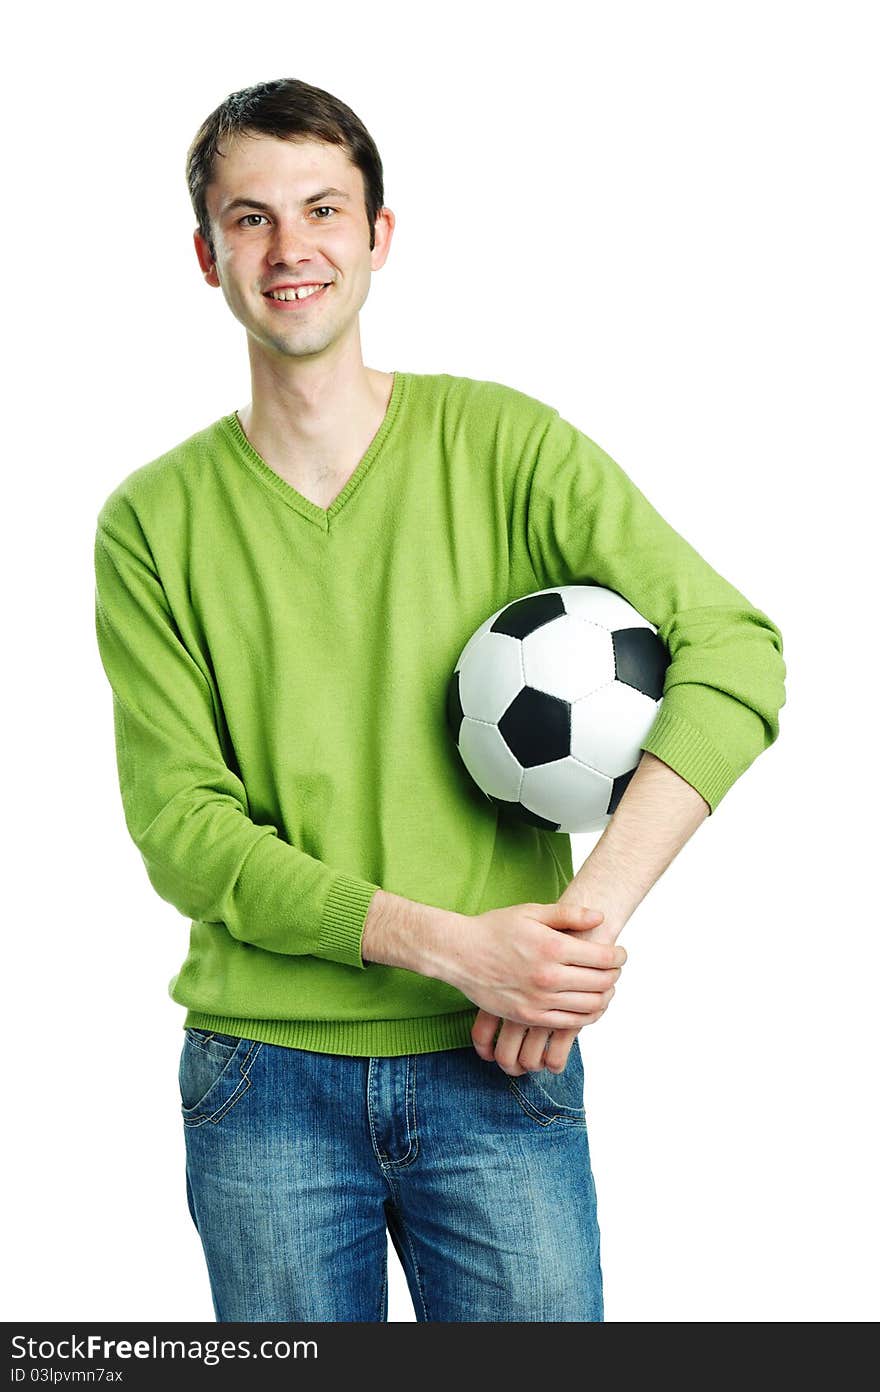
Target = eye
(325,208)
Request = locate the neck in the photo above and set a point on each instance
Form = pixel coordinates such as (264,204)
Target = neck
(305,420)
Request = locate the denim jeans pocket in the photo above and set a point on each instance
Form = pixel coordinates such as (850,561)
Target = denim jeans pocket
(218,1044)
(214,1074)
(553,1097)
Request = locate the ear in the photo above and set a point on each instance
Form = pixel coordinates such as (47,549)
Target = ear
(206,260)
(385,222)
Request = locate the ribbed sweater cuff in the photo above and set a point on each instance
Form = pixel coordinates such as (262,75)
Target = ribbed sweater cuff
(342,924)
(687,750)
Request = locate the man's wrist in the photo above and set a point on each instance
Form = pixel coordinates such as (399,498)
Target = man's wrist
(586,895)
(401,932)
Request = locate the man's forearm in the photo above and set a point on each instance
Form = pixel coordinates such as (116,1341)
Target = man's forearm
(657,814)
(403,933)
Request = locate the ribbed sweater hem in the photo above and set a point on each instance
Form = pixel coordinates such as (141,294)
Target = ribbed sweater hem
(370,1038)
(342,927)
(687,750)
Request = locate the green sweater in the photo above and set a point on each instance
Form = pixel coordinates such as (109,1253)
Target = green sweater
(279,675)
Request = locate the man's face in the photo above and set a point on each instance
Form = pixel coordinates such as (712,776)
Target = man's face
(302,233)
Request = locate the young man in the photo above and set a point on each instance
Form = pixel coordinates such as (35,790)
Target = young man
(385,981)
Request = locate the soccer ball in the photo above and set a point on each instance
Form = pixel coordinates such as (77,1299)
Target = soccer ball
(550,701)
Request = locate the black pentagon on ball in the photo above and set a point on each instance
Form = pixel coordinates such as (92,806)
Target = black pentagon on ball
(523,814)
(618,789)
(640,660)
(524,616)
(454,708)
(537,727)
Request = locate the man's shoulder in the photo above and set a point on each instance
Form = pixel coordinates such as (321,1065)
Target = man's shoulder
(478,392)
(161,481)
(485,406)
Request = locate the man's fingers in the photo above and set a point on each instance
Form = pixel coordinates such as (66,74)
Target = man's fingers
(561,915)
(586,952)
(559,1049)
(539,1049)
(578,1003)
(531,1052)
(522,1049)
(589,979)
(483,1032)
(510,1041)
(584,1010)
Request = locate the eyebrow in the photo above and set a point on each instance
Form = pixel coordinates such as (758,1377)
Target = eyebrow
(267,207)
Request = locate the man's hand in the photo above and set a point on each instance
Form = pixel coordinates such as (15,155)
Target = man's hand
(519,1049)
(541,967)
(514,963)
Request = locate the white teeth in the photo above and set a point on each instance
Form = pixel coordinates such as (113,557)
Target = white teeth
(295,294)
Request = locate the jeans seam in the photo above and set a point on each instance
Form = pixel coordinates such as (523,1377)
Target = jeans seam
(381,1316)
(398,1214)
(546,1118)
(412,1150)
(201,1044)
(199,1118)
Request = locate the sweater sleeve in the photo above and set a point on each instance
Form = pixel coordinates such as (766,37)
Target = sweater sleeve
(185,808)
(589,524)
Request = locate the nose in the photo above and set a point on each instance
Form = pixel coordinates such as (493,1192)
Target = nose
(289,242)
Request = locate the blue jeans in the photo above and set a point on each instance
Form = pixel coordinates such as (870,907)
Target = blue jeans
(296,1161)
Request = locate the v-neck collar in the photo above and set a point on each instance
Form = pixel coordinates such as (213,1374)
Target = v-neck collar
(286,491)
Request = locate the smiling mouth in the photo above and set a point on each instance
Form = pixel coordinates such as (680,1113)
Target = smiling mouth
(296,303)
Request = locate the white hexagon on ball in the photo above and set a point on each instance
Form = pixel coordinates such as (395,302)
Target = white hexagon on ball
(491,675)
(568,658)
(488,759)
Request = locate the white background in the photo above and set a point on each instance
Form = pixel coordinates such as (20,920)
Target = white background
(660,219)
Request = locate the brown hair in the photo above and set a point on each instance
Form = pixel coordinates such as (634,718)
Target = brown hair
(288,109)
